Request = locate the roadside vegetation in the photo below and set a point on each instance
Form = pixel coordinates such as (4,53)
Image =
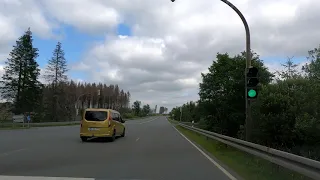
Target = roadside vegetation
(286,114)
(56,98)
(245,165)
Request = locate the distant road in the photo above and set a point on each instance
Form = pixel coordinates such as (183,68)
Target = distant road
(53,123)
(151,150)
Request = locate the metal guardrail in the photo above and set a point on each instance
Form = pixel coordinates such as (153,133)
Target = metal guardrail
(302,165)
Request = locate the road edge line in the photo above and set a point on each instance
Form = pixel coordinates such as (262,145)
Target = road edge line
(230,176)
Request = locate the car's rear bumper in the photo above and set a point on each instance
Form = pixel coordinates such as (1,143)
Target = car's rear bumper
(95,135)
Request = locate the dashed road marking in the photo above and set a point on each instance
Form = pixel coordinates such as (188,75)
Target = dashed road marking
(149,120)
(137,139)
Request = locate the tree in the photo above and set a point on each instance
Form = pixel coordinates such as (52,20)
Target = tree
(313,68)
(222,92)
(20,80)
(55,74)
(290,70)
(190,112)
(136,107)
(175,113)
(80,95)
(285,115)
(146,109)
(57,67)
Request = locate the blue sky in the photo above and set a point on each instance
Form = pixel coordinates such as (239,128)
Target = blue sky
(282,60)
(74,44)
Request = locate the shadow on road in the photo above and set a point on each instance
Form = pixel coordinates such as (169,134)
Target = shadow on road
(99,140)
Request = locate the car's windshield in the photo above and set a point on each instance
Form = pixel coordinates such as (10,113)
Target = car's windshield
(160,89)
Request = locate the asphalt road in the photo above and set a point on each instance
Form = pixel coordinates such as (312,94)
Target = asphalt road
(151,150)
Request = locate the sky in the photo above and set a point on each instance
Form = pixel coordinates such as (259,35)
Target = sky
(157,49)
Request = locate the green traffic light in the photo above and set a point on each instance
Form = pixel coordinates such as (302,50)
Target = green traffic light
(252,93)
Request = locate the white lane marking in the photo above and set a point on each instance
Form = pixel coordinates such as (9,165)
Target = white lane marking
(136,121)
(41,178)
(149,120)
(11,152)
(137,139)
(208,157)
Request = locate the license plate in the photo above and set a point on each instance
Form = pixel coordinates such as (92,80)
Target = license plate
(93,129)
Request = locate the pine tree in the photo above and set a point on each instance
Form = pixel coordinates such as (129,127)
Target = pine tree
(55,74)
(57,67)
(290,69)
(20,81)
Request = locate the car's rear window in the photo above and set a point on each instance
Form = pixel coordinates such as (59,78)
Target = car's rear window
(96,115)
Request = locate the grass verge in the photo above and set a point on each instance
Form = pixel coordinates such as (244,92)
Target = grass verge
(247,166)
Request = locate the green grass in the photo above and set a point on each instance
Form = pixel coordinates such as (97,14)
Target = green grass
(247,166)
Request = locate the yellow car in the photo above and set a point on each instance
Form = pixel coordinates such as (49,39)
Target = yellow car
(106,123)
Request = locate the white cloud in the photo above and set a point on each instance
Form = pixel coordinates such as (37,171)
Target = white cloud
(172,42)
(87,16)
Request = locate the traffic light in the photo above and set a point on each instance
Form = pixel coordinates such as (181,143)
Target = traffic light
(252,82)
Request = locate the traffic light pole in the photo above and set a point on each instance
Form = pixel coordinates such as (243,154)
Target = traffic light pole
(248,65)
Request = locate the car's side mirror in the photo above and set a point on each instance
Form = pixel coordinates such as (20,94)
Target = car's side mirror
(122,120)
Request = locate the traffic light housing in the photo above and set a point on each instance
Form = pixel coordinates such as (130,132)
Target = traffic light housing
(252,83)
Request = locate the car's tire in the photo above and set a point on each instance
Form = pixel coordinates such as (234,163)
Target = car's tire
(84,139)
(113,138)
(123,133)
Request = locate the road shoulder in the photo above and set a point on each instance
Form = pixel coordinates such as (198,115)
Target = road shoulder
(232,175)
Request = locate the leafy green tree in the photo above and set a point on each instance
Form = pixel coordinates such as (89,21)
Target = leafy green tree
(136,107)
(146,109)
(175,113)
(313,68)
(20,80)
(222,96)
(286,112)
(190,112)
(285,115)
